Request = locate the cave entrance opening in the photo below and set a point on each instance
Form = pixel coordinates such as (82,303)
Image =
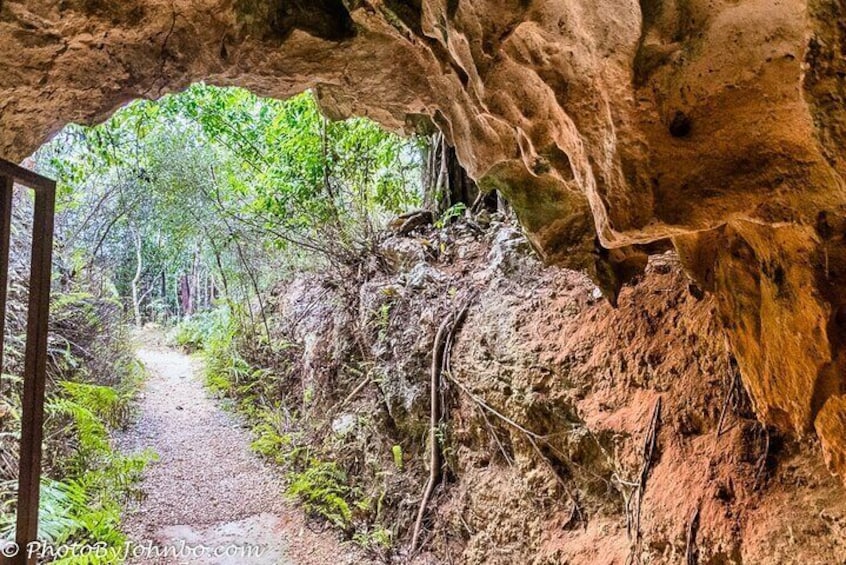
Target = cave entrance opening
(190,208)
(238,174)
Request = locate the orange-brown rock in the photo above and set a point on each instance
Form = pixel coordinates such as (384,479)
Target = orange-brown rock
(831,426)
(608,125)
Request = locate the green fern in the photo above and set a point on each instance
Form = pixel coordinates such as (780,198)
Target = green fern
(322,489)
(85,507)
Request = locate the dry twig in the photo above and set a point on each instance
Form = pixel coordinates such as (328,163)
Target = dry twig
(649,444)
(691,553)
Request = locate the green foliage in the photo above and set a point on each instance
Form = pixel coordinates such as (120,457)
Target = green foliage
(92,378)
(286,448)
(379,537)
(190,209)
(217,183)
(270,444)
(451,214)
(214,333)
(194,332)
(92,437)
(85,508)
(383,321)
(396,451)
(323,488)
(107,404)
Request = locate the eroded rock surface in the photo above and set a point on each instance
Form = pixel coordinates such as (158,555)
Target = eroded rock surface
(549,400)
(609,125)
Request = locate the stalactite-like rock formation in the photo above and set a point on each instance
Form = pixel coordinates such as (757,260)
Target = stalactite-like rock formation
(609,125)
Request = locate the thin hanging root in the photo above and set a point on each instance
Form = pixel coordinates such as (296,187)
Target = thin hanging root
(649,444)
(495,436)
(440,362)
(691,552)
(531,437)
(576,511)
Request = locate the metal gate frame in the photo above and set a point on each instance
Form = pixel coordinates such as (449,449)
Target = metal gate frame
(35,357)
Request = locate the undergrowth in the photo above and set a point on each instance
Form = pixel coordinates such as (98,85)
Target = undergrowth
(92,377)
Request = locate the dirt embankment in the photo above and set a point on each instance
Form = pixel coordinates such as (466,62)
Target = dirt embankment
(573,432)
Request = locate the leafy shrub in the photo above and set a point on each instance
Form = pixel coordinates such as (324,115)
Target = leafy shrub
(379,537)
(214,334)
(451,214)
(92,376)
(192,333)
(86,507)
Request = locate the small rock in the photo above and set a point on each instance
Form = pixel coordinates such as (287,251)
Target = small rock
(509,248)
(401,253)
(423,275)
(343,424)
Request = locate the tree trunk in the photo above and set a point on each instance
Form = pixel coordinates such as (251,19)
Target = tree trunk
(186,300)
(445,182)
(136,301)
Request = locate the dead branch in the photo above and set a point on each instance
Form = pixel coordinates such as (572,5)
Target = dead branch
(691,553)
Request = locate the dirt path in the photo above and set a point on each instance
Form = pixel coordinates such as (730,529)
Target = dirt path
(207,489)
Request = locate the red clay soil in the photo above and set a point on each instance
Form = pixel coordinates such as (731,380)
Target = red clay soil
(546,353)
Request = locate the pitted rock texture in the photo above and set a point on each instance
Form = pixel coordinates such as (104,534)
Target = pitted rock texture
(609,125)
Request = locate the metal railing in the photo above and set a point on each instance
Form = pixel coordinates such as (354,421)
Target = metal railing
(35,356)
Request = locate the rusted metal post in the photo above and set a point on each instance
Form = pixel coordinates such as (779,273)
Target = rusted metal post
(35,369)
(6,184)
(35,357)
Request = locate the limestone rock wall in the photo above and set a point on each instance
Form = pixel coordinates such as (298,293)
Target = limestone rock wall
(609,125)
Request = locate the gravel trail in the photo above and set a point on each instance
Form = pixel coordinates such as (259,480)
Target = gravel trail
(207,489)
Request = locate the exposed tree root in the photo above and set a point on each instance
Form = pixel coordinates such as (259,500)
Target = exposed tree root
(649,444)
(440,361)
(691,553)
